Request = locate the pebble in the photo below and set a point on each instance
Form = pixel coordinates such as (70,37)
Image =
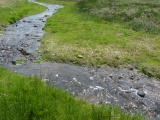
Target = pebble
(141,93)
(79,56)
(131,77)
(111,75)
(120,77)
(93,72)
(137,85)
(35,26)
(13,62)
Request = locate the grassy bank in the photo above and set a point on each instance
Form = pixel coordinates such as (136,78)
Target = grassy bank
(139,15)
(86,39)
(28,98)
(13,10)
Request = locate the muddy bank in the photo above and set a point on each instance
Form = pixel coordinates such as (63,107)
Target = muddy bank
(128,89)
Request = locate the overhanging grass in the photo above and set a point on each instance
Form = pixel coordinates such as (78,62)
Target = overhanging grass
(28,98)
(76,37)
(16,10)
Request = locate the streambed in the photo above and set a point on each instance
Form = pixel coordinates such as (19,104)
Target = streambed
(124,87)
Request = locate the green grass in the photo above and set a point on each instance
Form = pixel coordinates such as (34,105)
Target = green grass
(28,98)
(139,15)
(70,33)
(16,10)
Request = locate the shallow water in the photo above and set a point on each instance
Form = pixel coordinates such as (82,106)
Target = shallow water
(131,91)
(21,40)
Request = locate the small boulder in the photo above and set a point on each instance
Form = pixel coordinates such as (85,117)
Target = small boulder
(24,52)
(132,77)
(111,75)
(120,76)
(141,93)
(137,86)
(13,62)
(27,34)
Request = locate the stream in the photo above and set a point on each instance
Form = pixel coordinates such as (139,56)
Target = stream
(131,91)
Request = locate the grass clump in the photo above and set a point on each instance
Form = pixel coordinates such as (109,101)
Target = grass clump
(13,10)
(28,98)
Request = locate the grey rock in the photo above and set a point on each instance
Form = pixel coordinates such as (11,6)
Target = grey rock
(93,72)
(24,52)
(13,62)
(35,26)
(141,93)
(111,75)
(158,116)
(137,85)
(132,77)
(120,77)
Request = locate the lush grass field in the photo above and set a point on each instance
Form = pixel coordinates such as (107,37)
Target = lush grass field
(13,10)
(80,37)
(28,98)
(139,15)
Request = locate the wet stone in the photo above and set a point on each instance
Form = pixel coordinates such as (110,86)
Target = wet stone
(20,48)
(2,60)
(158,116)
(158,105)
(24,52)
(2,51)
(13,62)
(26,34)
(35,26)
(111,75)
(46,16)
(28,21)
(132,77)
(93,72)
(120,77)
(141,93)
(137,85)
(24,45)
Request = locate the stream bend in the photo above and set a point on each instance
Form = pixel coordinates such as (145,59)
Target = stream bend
(131,91)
